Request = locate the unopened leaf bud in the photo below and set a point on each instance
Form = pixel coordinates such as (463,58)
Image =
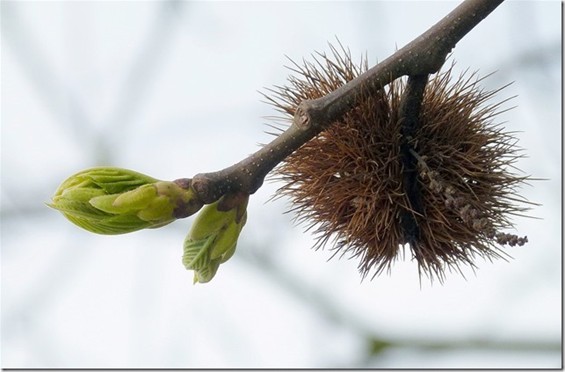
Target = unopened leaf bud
(213,236)
(109,200)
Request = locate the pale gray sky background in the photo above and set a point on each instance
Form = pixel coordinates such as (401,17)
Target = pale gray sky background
(170,89)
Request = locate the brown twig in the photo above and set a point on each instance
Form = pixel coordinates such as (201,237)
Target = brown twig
(424,55)
(409,114)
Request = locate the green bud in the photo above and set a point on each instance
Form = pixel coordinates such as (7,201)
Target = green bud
(224,246)
(108,200)
(213,237)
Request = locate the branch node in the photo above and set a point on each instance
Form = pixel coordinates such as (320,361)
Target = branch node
(202,186)
(303,116)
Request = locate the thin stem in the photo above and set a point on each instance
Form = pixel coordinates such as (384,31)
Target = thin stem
(409,113)
(424,55)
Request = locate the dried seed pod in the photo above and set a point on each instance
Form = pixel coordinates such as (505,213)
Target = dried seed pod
(347,183)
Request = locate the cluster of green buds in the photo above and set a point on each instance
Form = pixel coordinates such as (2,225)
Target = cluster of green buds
(213,236)
(110,201)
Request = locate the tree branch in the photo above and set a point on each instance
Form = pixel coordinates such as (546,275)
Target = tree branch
(409,111)
(424,55)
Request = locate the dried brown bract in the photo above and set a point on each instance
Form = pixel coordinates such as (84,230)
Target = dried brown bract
(349,183)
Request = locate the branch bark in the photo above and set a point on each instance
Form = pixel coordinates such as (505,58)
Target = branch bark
(424,55)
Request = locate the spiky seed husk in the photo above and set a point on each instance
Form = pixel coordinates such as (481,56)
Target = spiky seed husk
(347,183)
